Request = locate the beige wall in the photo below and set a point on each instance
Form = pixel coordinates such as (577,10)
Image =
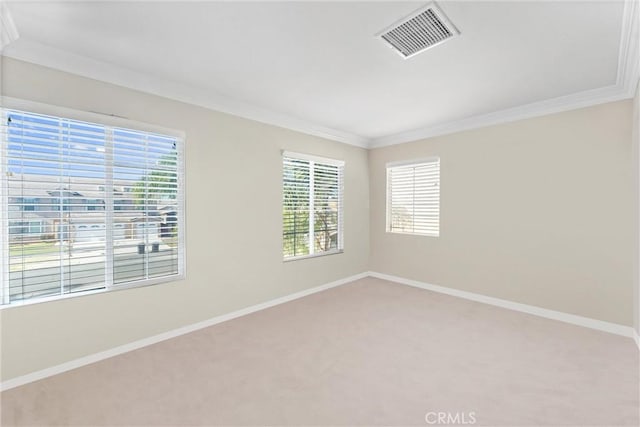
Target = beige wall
(536,211)
(635,141)
(233,205)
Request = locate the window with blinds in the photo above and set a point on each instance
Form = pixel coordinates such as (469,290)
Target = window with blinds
(413,198)
(312,205)
(86,206)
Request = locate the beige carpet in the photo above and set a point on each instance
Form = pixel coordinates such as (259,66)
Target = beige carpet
(367,353)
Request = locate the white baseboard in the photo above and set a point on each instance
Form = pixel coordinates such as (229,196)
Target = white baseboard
(600,325)
(613,328)
(92,358)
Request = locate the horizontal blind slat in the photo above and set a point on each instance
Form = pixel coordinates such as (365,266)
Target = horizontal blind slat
(413,198)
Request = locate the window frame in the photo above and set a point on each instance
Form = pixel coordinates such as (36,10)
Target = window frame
(340,164)
(110,121)
(410,163)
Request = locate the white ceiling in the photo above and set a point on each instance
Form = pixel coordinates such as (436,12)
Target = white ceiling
(317,64)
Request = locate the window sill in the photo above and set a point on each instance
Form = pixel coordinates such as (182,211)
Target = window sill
(114,288)
(407,233)
(297,258)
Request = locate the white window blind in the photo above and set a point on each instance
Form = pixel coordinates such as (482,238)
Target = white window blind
(86,206)
(413,198)
(312,205)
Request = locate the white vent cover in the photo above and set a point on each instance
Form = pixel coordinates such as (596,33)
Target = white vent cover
(427,27)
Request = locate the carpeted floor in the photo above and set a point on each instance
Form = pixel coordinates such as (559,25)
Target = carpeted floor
(367,353)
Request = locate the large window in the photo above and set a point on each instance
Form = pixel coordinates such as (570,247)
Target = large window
(413,197)
(312,205)
(105,206)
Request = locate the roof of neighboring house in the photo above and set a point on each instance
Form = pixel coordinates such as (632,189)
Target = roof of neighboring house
(32,186)
(90,216)
(44,186)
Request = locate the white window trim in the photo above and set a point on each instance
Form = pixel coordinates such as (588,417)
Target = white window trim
(335,162)
(401,163)
(10,103)
(315,255)
(412,162)
(313,158)
(4,224)
(106,118)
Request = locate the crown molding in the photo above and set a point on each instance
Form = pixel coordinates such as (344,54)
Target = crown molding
(629,55)
(536,109)
(624,88)
(628,73)
(8,30)
(48,56)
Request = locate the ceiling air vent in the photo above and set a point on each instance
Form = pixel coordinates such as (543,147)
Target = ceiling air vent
(424,28)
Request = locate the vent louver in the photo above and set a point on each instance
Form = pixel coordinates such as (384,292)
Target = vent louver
(423,29)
